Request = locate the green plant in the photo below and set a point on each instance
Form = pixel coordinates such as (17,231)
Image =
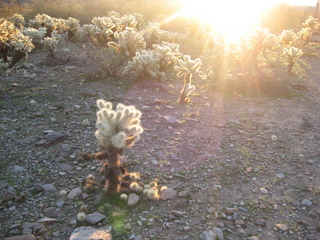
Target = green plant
(117,130)
(186,69)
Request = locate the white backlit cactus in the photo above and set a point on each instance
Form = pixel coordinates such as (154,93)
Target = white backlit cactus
(152,33)
(7,32)
(118,129)
(22,43)
(287,37)
(127,21)
(145,64)
(312,23)
(292,53)
(129,42)
(186,69)
(169,54)
(17,20)
(50,43)
(35,34)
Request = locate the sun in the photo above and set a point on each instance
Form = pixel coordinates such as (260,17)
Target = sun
(231,18)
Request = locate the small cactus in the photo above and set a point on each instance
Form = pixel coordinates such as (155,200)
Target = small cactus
(292,53)
(186,69)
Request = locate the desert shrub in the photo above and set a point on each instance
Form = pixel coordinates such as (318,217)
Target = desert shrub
(98,62)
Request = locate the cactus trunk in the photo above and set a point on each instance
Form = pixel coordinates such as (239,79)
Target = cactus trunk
(113,174)
(183,94)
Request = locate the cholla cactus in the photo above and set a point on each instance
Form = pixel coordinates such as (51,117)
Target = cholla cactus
(186,69)
(169,54)
(7,32)
(287,37)
(11,36)
(117,130)
(35,34)
(50,43)
(104,29)
(304,35)
(129,42)
(72,27)
(17,20)
(152,33)
(145,64)
(127,21)
(292,53)
(312,23)
(22,43)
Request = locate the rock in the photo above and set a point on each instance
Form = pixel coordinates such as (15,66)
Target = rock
(133,199)
(60,203)
(231,210)
(253,238)
(280,175)
(74,193)
(8,195)
(264,191)
(306,202)
(154,162)
(22,237)
(95,217)
(42,231)
(168,193)
(49,187)
(219,233)
(260,222)
(37,189)
(208,235)
(49,212)
(26,231)
(184,194)
(239,222)
(50,138)
(282,227)
(48,220)
(18,169)
(127,226)
(90,233)
(171,120)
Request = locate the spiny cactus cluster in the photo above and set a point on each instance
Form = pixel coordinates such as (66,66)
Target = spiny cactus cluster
(288,37)
(117,130)
(35,34)
(50,43)
(145,64)
(12,37)
(292,53)
(129,42)
(18,21)
(186,69)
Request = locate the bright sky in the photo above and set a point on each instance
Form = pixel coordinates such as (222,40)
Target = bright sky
(301,2)
(222,15)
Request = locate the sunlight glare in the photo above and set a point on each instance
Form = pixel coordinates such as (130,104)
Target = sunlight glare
(231,18)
